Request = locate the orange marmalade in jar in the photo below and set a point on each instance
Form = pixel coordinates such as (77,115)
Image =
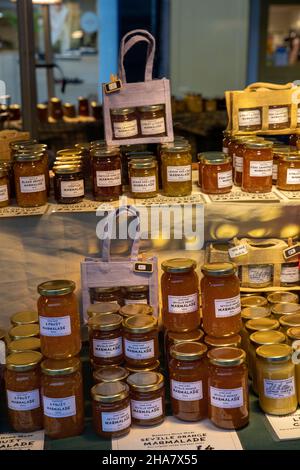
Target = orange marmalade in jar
(59,319)
(172,338)
(22,379)
(258,167)
(221,304)
(105,332)
(140,340)
(216,174)
(180,295)
(289,172)
(30,180)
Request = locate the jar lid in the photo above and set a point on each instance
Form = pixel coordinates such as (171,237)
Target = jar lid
(110,392)
(24,331)
(178,146)
(25,344)
(110,374)
(282,298)
(213,158)
(28,157)
(32,148)
(140,323)
(25,317)
(55,100)
(178,265)
(146,381)
(186,337)
(121,111)
(42,106)
(226,357)
(262,324)
(285,309)
(104,151)
(71,151)
(291,157)
(104,322)
(60,367)
(102,308)
(67,169)
(22,361)
(252,313)
(16,144)
(274,352)
(137,289)
(281,150)
(105,290)
(57,287)
(227,341)
(188,351)
(152,107)
(267,337)
(83,146)
(143,163)
(130,310)
(293,333)
(97,143)
(254,301)
(219,269)
(259,145)
(155,366)
(290,320)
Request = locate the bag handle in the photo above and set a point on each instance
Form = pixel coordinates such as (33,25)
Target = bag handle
(128,41)
(110,218)
(269,86)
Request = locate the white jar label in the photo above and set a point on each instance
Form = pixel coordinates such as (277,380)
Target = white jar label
(72,188)
(226,397)
(239,164)
(3,193)
(139,349)
(55,326)
(23,401)
(260,274)
(125,129)
(143,184)
(116,420)
(279,388)
(153,126)
(141,301)
(32,184)
(289,274)
(59,407)
(186,391)
(228,307)
(225,150)
(249,117)
(108,178)
(293,176)
(261,168)
(275,171)
(107,347)
(183,303)
(146,409)
(225,179)
(278,115)
(179,173)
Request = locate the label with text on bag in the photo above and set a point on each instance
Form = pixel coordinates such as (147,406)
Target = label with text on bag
(125,129)
(238,250)
(183,303)
(139,349)
(283,388)
(249,117)
(59,407)
(228,307)
(116,420)
(107,347)
(226,397)
(186,391)
(153,126)
(23,401)
(148,409)
(55,326)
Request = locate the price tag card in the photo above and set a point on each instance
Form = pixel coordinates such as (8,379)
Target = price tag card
(237,195)
(12,211)
(291,195)
(172,435)
(19,441)
(238,250)
(161,200)
(285,427)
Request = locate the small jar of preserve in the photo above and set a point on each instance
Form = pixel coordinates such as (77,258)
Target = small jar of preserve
(289,173)
(68,184)
(22,380)
(105,336)
(279,310)
(289,321)
(152,120)
(26,317)
(130,310)
(232,341)
(4,186)
(136,295)
(55,111)
(24,345)
(278,117)
(124,123)
(221,303)
(259,275)
(228,405)
(106,173)
(106,294)
(62,394)
(110,374)
(111,409)
(106,308)
(279,151)
(176,169)
(282,298)
(59,319)
(250,119)
(147,398)
(30,180)
(143,178)
(217,174)
(290,274)
(69,111)
(140,338)
(258,167)
(24,331)
(172,337)
(276,379)
(238,156)
(42,112)
(188,381)
(83,106)
(180,295)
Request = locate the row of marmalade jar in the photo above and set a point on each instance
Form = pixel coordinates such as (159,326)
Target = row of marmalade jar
(145,121)
(250,119)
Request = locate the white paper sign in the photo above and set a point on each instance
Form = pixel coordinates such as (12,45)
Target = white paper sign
(20,441)
(285,427)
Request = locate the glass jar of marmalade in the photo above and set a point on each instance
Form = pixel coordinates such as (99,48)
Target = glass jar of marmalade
(238,156)
(140,338)
(279,151)
(136,295)
(96,109)
(63,401)
(26,317)
(289,172)
(105,336)
(172,338)
(232,341)
(221,303)
(228,405)
(4,186)
(106,308)
(30,180)
(180,295)
(278,117)
(106,294)
(147,398)
(143,178)
(250,119)
(59,319)
(188,381)
(258,167)
(152,120)
(216,174)
(124,123)
(176,169)
(130,310)
(106,173)
(290,274)
(68,184)
(24,331)
(259,275)
(24,345)
(22,380)
(111,409)
(110,374)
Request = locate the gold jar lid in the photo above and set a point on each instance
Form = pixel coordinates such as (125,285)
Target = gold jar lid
(262,324)
(152,107)
(23,361)
(143,164)
(177,146)
(219,269)
(186,336)
(106,290)
(267,337)
(252,313)
(104,322)
(110,392)
(178,265)
(61,367)
(54,99)
(282,298)
(67,169)
(102,308)
(226,357)
(24,331)
(28,157)
(214,158)
(104,151)
(254,301)
(137,289)
(25,344)
(291,157)
(288,321)
(274,352)
(258,145)
(146,381)
(279,310)
(233,341)
(18,144)
(122,111)
(188,351)
(140,323)
(71,152)
(155,366)
(97,143)
(25,317)
(293,333)
(110,374)
(130,310)
(57,287)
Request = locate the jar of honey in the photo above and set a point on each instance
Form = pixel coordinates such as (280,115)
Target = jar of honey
(228,403)
(289,172)
(24,331)
(221,304)
(30,180)
(232,341)
(68,184)
(278,117)
(290,274)
(110,374)
(216,174)
(22,380)
(106,173)
(147,398)
(136,295)
(59,319)
(140,338)
(282,297)
(180,295)
(279,310)
(188,381)
(63,401)
(124,123)
(105,336)
(152,120)
(258,167)
(111,409)
(96,109)
(106,308)
(26,317)
(130,310)
(250,119)
(176,169)
(143,178)
(24,345)
(4,186)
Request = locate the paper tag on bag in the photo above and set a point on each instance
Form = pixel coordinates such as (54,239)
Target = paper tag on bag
(291,251)
(238,250)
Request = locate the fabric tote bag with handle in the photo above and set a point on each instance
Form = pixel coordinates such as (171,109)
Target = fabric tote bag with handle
(126,120)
